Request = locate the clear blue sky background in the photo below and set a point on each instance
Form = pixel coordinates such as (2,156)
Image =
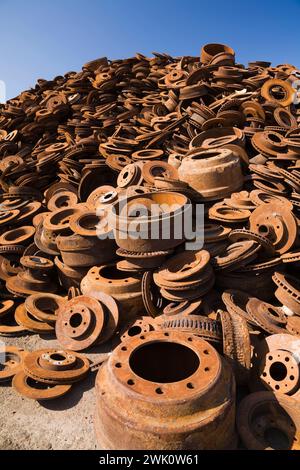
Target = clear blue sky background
(44,38)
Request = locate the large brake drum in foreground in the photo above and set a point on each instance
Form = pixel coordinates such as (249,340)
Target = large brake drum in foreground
(165,390)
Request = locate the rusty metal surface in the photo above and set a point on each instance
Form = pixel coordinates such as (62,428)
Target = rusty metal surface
(204,327)
(125,288)
(140,326)
(150,138)
(185,265)
(236,344)
(288,292)
(12,360)
(183,308)
(139,262)
(79,323)
(152,300)
(35,277)
(277,364)
(262,412)
(35,390)
(26,320)
(56,366)
(44,307)
(165,393)
(271,319)
(277,223)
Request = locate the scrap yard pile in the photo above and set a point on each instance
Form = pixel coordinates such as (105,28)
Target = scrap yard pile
(205,342)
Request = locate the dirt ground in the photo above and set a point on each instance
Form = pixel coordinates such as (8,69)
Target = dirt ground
(63,423)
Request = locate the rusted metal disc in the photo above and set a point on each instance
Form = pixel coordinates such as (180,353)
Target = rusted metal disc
(183,308)
(8,217)
(6,307)
(261,197)
(130,175)
(21,235)
(240,200)
(11,361)
(151,297)
(73,292)
(228,214)
(12,204)
(209,364)
(117,162)
(196,280)
(12,249)
(140,326)
(271,319)
(58,221)
(215,233)
(9,267)
(30,388)
(26,320)
(25,284)
(237,235)
(184,265)
(283,341)
(268,143)
(188,294)
(57,188)
(45,240)
(236,302)
(293,325)
(291,257)
(80,323)
(111,316)
(94,198)
(28,212)
(277,363)
(172,382)
(276,222)
(44,306)
(267,266)
(139,264)
(236,344)
(287,92)
(85,223)
(37,262)
(260,413)
(156,168)
(11,328)
(265,172)
(35,277)
(61,200)
(206,328)
(108,279)
(288,291)
(148,154)
(136,190)
(64,362)
(236,255)
(279,368)
(33,368)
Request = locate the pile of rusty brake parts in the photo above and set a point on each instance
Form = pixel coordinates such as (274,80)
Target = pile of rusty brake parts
(98,169)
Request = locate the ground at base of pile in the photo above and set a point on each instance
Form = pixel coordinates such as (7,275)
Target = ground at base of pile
(62,424)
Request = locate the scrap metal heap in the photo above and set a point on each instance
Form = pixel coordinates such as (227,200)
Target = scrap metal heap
(185,327)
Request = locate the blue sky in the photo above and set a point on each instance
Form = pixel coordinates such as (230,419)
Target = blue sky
(43,38)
